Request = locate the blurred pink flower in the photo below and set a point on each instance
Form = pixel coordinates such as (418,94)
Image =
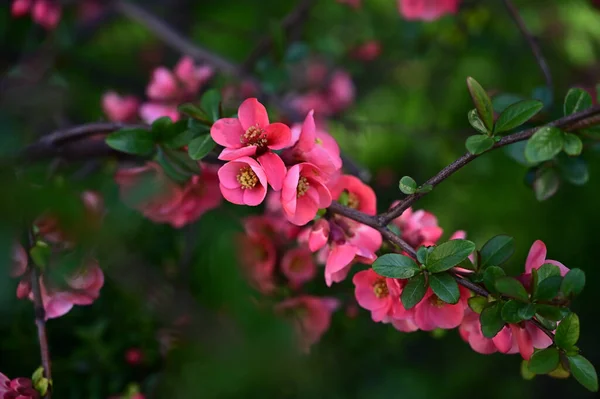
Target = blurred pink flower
(418,228)
(44,12)
(18,388)
(298,267)
(367,51)
(134,356)
(258,256)
(360,196)
(427,10)
(120,108)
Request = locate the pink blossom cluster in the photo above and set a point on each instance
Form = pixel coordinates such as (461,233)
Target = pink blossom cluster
(165,91)
(80,287)
(169,202)
(17,388)
(426,10)
(44,12)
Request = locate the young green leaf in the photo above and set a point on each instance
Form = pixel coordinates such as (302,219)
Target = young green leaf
(526,311)
(200,147)
(573,144)
(548,288)
(517,114)
(211,104)
(477,303)
(194,111)
(478,144)
(132,141)
(525,373)
(512,287)
(448,255)
(552,313)
(546,184)
(476,122)
(408,185)
(497,251)
(573,170)
(567,332)
(547,270)
(422,254)
(482,103)
(491,320)
(544,361)
(445,287)
(510,312)
(40,254)
(490,275)
(180,140)
(544,145)
(573,282)
(425,188)
(584,372)
(395,266)
(414,291)
(577,100)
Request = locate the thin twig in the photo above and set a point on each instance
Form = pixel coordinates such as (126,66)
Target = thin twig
(566,122)
(40,314)
(531,40)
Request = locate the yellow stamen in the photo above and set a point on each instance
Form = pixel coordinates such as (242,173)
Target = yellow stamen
(254,136)
(380,288)
(353,201)
(318,141)
(247,178)
(303,186)
(435,301)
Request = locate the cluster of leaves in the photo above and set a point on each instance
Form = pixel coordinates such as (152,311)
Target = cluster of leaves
(164,139)
(545,300)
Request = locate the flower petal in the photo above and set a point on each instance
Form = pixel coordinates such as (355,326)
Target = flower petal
(233,195)
(253,113)
(279,136)
(274,169)
(231,154)
(227,132)
(536,256)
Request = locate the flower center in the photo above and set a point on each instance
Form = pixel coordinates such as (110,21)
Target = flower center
(436,301)
(318,141)
(353,201)
(380,288)
(247,178)
(303,186)
(254,136)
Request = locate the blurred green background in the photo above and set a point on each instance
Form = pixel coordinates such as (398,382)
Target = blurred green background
(409,118)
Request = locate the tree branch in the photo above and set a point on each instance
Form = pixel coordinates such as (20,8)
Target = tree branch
(531,40)
(40,313)
(568,122)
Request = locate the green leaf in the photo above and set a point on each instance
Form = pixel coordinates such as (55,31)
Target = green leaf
(504,100)
(544,361)
(414,291)
(448,255)
(525,373)
(445,287)
(408,185)
(201,147)
(180,140)
(544,145)
(552,313)
(476,122)
(497,251)
(479,144)
(527,311)
(477,303)
(584,372)
(573,170)
(395,266)
(512,287)
(567,332)
(40,254)
(517,114)
(573,282)
(547,270)
(573,144)
(490,275)
(132,141)
(211,104)
(194,111)
(425,188)
(548,288)
(491,320)
(482,103)
(197,127)
(546,184)
(510,312)
(422,254)
(549,324)
(577,100)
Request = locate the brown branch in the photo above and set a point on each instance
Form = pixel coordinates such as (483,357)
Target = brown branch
(531,41)
(567,122)
(292,20)
(40,314)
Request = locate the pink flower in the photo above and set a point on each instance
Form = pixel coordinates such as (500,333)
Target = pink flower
(349,242)
(20,7)
(311,315)
(119,109)
(258,256)
(341,91)
(470,331)
(427,10)
(432,312)
(537,257)
(318,235)
(18,388)
(191,76)
(243,182)
(298,267)
(149,112)
(303,193)
(418,228)
(405,325)
(46,13)
(380,295)
(18,261)
(360,196)
(274,227)
(368,51)
(316,147)
(134,356)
